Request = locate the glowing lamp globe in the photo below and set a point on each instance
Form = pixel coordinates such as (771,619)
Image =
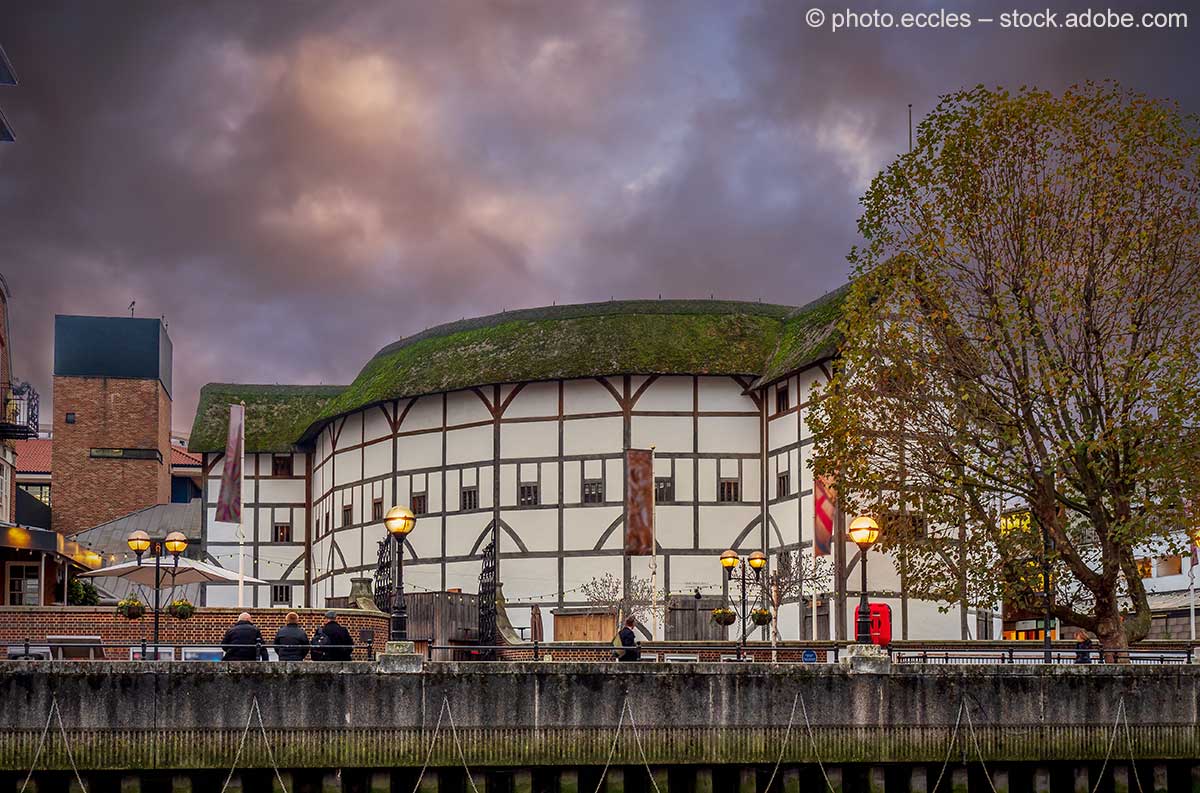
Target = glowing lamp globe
(864,531)
(399,521)
(758,560)
(176,543)
(138,541)
(729,559)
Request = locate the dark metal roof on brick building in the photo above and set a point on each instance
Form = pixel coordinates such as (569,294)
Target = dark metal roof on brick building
(109,538)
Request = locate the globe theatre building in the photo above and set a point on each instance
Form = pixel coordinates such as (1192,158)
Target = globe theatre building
(520,421)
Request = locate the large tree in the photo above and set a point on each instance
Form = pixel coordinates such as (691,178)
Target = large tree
(1022,351)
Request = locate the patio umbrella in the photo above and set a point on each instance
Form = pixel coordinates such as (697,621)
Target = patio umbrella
(189,571)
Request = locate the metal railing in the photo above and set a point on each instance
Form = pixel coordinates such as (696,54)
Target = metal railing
(144,650)
(18,411)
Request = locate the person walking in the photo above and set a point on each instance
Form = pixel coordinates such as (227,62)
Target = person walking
(291,642)
(629,641)
(243,641)
(331,641)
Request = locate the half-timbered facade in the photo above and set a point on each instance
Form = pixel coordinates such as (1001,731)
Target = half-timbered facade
(533,451)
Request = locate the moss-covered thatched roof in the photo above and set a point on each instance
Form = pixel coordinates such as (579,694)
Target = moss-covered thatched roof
(588,340)
(276,415)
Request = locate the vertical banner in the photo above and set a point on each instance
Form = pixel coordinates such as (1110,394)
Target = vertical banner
(229,500)
(824,505)
(639,502)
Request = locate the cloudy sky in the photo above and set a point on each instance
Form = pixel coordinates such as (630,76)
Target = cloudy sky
(294,185)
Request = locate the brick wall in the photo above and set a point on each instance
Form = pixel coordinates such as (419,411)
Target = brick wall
(206,626)
(111,413)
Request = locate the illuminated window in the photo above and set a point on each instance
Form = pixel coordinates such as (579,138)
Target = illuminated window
(420,504)
(38,491)
(1169,565)
(283,532)
(1145,568)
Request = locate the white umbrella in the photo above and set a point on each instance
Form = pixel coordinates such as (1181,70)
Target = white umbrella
(188,571)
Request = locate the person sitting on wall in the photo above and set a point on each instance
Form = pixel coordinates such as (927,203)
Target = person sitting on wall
(331,641)
(244,641)
(629,641)
(1083,648)
(291,642)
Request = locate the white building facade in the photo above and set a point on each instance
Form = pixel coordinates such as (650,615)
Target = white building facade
(540,462)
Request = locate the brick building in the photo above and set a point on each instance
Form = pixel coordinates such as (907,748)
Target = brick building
(112,419)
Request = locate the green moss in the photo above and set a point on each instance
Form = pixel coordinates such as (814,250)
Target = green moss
(589,340)
(276,415)
(809,334)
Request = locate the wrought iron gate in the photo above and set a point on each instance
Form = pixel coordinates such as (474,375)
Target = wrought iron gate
(487,601)
(383,576)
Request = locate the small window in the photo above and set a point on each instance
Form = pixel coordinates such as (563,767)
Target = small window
(420,504)
(783,484)
(377,510)
(781,399)
(593,491)
(468,498)
(1145,568)
(347,515)
(729,490)
(328,522)
(281,595)
(528,495)
(281,465)
(70,418)
(664,489)
(283,532)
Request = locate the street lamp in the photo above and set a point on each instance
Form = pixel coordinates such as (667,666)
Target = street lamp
(864,531)
(731,561)
(399,522)
(174,543)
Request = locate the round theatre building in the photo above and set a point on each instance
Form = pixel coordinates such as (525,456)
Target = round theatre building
(517,424)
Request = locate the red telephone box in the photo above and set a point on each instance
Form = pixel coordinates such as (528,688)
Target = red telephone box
(881,623)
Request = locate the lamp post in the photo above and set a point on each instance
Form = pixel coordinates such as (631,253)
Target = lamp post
(731,561)
(864,532)
(174,543)
(399,522)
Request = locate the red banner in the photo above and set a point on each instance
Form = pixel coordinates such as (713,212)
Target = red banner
(639,502)
(229,500)
(824,505)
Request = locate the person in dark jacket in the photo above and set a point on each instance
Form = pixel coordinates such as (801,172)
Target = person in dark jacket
(291,642)
(629,641)
(333,640)
(243,642)
(1083,648)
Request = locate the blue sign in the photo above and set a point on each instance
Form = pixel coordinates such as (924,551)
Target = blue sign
(809,656)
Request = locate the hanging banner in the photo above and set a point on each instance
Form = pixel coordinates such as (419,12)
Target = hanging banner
(639,502)
(229,501)
(824,505)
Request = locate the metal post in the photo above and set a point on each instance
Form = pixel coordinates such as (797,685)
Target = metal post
(1046,593)
(157,595)
(399,621)
(742,641)
(863,625)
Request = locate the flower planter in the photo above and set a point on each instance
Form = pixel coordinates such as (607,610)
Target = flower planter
(181,610)
(760,617)
(131,611)
(724,616)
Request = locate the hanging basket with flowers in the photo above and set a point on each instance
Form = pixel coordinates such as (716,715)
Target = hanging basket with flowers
(131,608)
(761,616)
(181,609)
(724,616)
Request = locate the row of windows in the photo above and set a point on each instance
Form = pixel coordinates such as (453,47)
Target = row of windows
(1157,568)
(529,495)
